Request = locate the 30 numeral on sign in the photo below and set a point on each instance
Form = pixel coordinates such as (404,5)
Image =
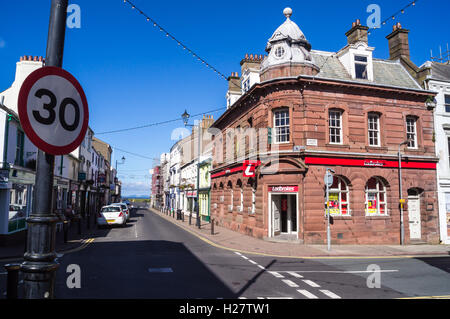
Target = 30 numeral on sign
(50,107)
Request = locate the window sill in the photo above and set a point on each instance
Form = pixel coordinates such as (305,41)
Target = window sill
(378,217)
(377,148)
(338,145)
(339,217)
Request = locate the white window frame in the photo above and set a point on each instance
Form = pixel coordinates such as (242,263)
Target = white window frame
(286,126)
(334,127)
(377,191)
(339,190)
(412,144)
(366,64)
(374,129)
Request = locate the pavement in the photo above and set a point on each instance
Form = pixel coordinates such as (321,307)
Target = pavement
(75,240)
(231,240)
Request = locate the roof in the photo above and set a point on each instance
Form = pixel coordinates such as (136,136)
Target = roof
(385,72)
(440,71)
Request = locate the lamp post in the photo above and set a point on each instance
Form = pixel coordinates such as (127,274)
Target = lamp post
(185,116)
(123,162)
(400,191)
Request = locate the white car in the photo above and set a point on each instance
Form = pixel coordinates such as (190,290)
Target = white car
(124,208)
(111,215)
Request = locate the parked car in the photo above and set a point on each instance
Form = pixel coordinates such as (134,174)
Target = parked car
(124,208)
(16,211)
(111,215)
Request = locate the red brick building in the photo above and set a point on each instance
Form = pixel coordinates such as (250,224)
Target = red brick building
(312,110)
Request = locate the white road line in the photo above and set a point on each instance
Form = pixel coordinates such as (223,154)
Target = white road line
(263,268)
(311,283)
(294,274)
(345,271)
(290,283)
(276,274)
(274,298)
(307,294)
(238,253)
(244,257)
(253,262)
(330,294)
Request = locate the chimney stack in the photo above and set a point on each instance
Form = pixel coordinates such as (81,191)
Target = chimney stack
(398,43)
(358,33)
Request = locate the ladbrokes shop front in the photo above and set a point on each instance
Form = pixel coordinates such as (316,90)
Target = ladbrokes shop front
(289,203)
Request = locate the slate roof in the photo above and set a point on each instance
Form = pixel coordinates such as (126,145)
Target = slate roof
(440,71)
(385,72)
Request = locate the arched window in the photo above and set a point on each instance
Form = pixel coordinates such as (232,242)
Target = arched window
(338,197)
(376,197)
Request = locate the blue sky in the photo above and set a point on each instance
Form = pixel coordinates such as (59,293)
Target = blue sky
(134,75)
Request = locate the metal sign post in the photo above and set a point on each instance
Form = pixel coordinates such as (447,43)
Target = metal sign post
(40,267)
(328,182)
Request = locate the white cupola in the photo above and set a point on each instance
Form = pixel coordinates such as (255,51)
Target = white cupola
(289,53)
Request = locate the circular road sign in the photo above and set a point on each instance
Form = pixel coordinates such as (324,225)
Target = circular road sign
(53,110)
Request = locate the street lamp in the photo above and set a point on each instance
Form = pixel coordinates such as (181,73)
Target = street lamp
(185,116)
(402,228)
(123,162)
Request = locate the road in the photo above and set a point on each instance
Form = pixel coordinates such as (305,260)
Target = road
(152,258)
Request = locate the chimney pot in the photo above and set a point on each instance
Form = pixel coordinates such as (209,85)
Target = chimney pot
(358,33)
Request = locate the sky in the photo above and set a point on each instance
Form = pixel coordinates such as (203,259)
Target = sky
(134,75)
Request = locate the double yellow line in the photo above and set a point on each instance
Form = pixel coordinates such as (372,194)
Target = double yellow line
(85,243)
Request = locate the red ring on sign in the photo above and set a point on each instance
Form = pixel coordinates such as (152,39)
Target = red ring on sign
(23,114)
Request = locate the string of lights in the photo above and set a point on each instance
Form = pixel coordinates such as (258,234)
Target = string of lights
(171,36)
(383,23)
(159,123)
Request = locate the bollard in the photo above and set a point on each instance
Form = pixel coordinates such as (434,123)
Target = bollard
(182,216)
(66,230)
(190,218)
(12,280)
(212,226)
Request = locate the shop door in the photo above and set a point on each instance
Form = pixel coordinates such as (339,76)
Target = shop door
(276,214)
(414,217)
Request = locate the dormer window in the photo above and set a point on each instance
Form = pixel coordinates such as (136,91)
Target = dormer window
(279,52)
(361,67)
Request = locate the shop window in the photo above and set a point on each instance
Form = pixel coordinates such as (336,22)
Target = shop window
(338,198)
(335,126)
(376,198)
(281,126)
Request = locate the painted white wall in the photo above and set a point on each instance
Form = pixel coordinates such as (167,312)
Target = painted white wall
(23,69)
(442,132)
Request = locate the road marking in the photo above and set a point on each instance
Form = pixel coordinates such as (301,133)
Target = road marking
(294,274)
(290,283)
(307,294)
(276,274)
(428,297)
(263,268)
(274,298)
(160,270)
(344,271)
(330,294)
(253,262)
(244,257)
(238,253)
(311,283)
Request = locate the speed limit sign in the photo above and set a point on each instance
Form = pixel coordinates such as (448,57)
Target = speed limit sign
(53,110)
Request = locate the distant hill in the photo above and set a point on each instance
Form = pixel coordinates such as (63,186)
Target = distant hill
(136,197)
